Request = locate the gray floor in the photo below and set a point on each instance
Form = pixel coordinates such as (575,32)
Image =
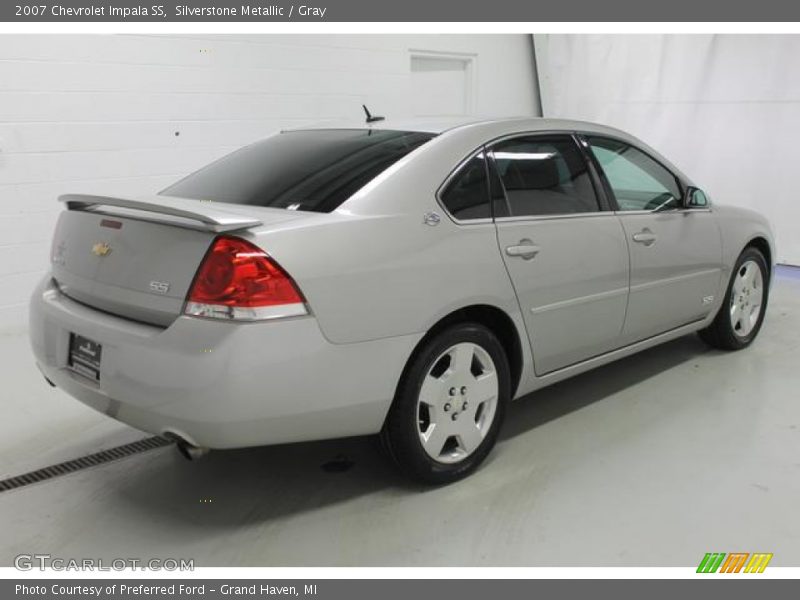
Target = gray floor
(652,461)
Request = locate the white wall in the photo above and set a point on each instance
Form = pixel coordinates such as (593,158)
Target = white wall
(724,108)
(130,114)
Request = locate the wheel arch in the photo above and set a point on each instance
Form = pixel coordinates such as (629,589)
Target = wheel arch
(762,245)
(494,319)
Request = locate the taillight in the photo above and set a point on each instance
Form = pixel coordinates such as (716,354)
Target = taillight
(238,280)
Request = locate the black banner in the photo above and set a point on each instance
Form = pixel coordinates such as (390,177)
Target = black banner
(407,11)
(395,589)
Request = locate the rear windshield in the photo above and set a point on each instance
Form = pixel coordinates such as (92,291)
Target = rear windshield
(314,170)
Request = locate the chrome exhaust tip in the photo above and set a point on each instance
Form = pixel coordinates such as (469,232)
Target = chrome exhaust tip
(186,449)
(190,452)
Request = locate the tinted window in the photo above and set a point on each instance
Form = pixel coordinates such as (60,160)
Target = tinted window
(467,195)
(314,170)
(638,181)
(544,176)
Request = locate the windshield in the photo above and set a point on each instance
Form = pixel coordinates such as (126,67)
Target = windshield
(312,170)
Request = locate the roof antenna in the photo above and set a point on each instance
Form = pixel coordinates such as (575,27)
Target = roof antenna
(370,118)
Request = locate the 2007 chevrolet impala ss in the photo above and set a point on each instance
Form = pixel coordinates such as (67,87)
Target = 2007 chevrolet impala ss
(405,279)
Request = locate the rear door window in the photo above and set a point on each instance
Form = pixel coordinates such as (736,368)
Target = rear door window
(309,170)
(544,175)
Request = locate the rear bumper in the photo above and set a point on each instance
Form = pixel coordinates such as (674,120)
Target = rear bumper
(219,384)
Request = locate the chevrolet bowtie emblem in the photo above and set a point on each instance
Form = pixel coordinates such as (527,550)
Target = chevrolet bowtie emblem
(101,249)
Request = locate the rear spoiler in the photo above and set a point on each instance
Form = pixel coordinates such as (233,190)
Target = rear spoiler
(205,214)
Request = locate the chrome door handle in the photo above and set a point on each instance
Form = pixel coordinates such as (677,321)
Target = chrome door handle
(646,237)
(526,250)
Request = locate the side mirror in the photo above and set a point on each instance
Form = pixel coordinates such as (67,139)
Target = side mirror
(696,198)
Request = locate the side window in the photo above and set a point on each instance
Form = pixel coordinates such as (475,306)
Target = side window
(467,194)
(638,181)
(544,176)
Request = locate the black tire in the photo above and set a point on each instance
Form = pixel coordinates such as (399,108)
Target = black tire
(721,334)
(400,437)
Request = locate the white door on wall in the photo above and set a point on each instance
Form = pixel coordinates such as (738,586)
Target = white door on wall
(441,84)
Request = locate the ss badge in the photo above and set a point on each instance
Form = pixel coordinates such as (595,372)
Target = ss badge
(159,287)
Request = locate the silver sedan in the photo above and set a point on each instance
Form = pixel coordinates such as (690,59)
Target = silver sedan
(400,279)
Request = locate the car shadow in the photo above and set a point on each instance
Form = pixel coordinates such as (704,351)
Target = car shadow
(255,485)
(559,399)
(242,488)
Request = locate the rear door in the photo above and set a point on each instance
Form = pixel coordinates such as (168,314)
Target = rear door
(566,256)
(675,252)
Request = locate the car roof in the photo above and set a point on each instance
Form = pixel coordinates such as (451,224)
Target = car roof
(474,131)
(439,125)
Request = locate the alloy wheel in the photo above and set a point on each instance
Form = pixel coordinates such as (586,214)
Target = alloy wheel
(747,297)
(457,403)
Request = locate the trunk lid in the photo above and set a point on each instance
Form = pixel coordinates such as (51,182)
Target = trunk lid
(137,257)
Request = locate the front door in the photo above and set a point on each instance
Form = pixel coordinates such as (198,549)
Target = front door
(675,252)
(567,258)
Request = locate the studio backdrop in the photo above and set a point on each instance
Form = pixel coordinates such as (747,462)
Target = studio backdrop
(130,114)
(724,108)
